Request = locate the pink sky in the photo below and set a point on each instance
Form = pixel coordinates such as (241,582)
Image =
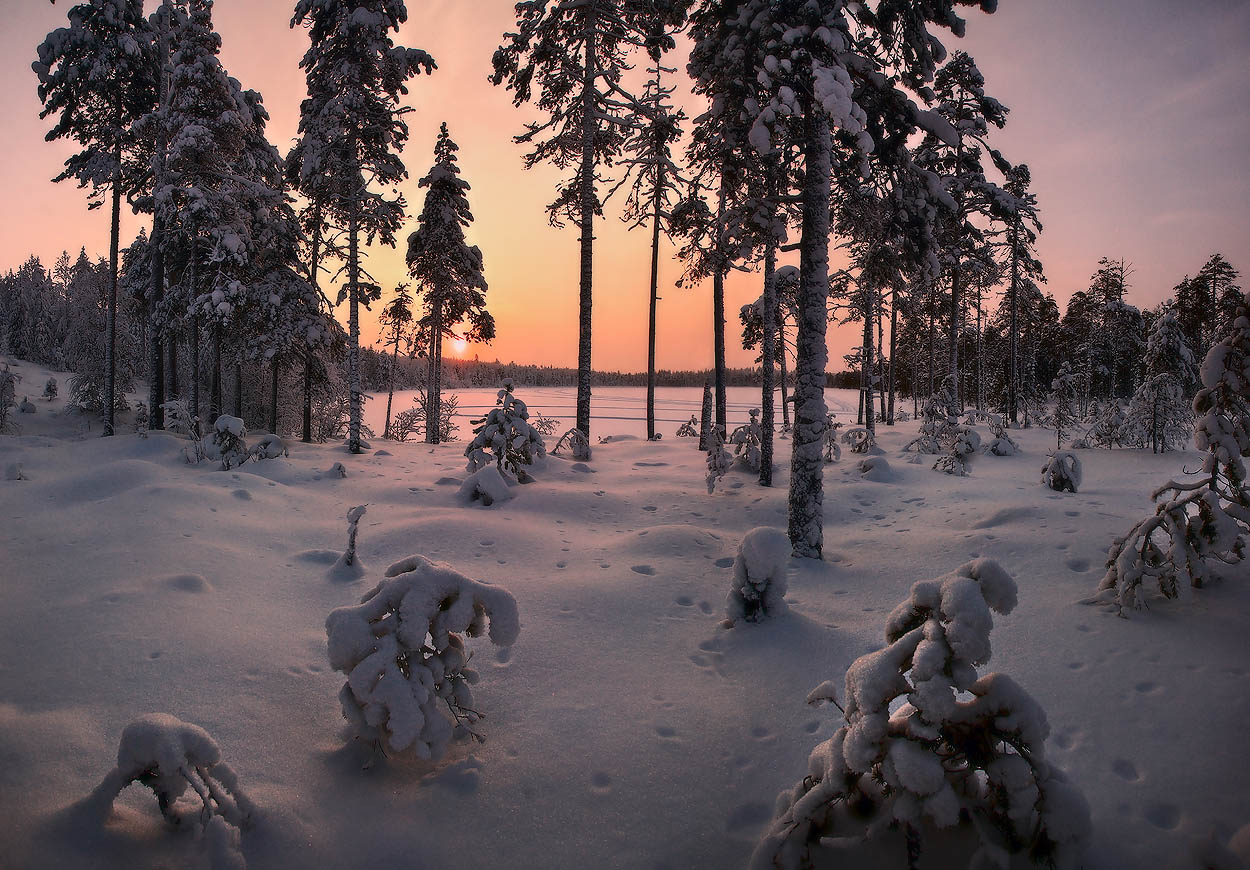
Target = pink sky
(1132,114)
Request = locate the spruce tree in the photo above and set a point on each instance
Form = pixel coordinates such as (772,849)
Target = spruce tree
(96,76)
(351,131)
(448,271)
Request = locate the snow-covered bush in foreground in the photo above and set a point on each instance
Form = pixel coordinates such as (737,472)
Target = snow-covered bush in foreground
(860,440)
(225,443)
(167,755)
(689,429)
(964,443)
(747,440)
(576,443)
(1001,444)
(831,450)
(270,446)
(939,415)
(505,437)
(718,459)
(759,578)
(939,759)
(404,655)
(1062,471)
(485,485)
(50,389)
(1206,520)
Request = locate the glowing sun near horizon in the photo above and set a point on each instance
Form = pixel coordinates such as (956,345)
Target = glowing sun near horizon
(458,346)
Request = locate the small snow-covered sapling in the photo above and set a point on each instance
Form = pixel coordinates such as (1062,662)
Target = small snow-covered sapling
(718,459)
(504,436)
(928,743)
(831,450)
(689,429)
(167,755)
(576,443)
(1062,471)
(860,440)
(270,446)
(225,442)
(747,441)
(759,578)
(49,389)
(403,651)
(354,516)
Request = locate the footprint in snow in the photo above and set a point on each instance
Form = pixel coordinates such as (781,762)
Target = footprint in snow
(1147,687)
(724,562)
(187,583)
(1125,769)
(600,782)
(242,494)
(649,507)
(745,818)
(684,601)
(1077,565)
(666,732)
(642,569)
(1164,816)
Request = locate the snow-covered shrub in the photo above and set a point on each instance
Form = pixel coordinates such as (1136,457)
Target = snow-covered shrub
(952,463)
(141,419)
(689,429)
(718,459)
(1062,415)
(8,394)
(1204,522)
(1107,429)
(505,437)
(975,416)
(939,416)
(876,468)
(180,421)
(860,440)
(747,441)
(402,649)
(270,446)
(13,471)
(1062,471)
(1001,444)
(1159,415)
(225,443)
(486,485)
(546,425)
(831,450)
(354,516)
(961,749)
(167,755)
(759,578)
(410,422)
(49,389)
(966,442)
(575,443)
(338,469)
(26,406)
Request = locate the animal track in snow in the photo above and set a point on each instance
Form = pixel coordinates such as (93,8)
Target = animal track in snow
(1125,769)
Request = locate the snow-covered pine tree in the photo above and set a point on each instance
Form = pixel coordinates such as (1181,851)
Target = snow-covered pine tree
(568,58)
(98,77)
(351,131)
(1063,399)
(1220,276)
(1019,236)
(809,60)
(959,91)
(1160,413)
(1201,523)
(447,269)
(718,459)
(396,323)
(654,179)
(961,749)
(505,437)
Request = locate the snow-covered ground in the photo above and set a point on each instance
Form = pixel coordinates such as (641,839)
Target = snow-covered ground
(626,727)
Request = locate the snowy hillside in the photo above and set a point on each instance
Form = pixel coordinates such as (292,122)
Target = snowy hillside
(627,727)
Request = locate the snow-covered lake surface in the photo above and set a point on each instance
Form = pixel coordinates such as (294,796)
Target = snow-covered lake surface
(626,728)
(614,410)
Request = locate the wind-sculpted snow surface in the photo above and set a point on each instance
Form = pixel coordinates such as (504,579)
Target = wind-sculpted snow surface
(937,756)
(402,649)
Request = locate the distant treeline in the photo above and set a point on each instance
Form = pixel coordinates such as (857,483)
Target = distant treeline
(410,374)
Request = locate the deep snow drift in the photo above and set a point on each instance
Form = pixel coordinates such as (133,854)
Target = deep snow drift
(626,727)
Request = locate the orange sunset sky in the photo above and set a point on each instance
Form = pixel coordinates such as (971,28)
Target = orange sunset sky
(1132,114)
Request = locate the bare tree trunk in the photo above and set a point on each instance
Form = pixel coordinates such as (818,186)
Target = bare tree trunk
(718,311)
(171,368)
(705,417)
(980,347)
(768,352)
(156,355)
(238,389)
(806,496)
(588,202)
(216,400)
(781,357)
(1012,364)
(438,379)
(655,283)
(353,320)
(195,363)
(314,267)
(932,332)
(110,337)
(275,370)
(889,420)
(867,364)
(434,380)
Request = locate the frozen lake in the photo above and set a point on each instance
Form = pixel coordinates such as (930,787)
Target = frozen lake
(614,410)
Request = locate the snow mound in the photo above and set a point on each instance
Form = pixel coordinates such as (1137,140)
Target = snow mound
(485,485)
(759,579)
(876,468)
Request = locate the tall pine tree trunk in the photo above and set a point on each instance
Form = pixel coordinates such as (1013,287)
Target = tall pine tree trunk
(314,268)
(171,368)
(1013,376)
(238,389)
(156,355)
(195,363)
(588,203)
(781,359)
(390,388)
(768,353)
(868,364)
(433,380)
(806,496)
(655,286)
(932,333)
(718,308)
(216,398)
(956,315)
(353,320)
(110,337)
(275,369)
(438,381)
(889,420)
